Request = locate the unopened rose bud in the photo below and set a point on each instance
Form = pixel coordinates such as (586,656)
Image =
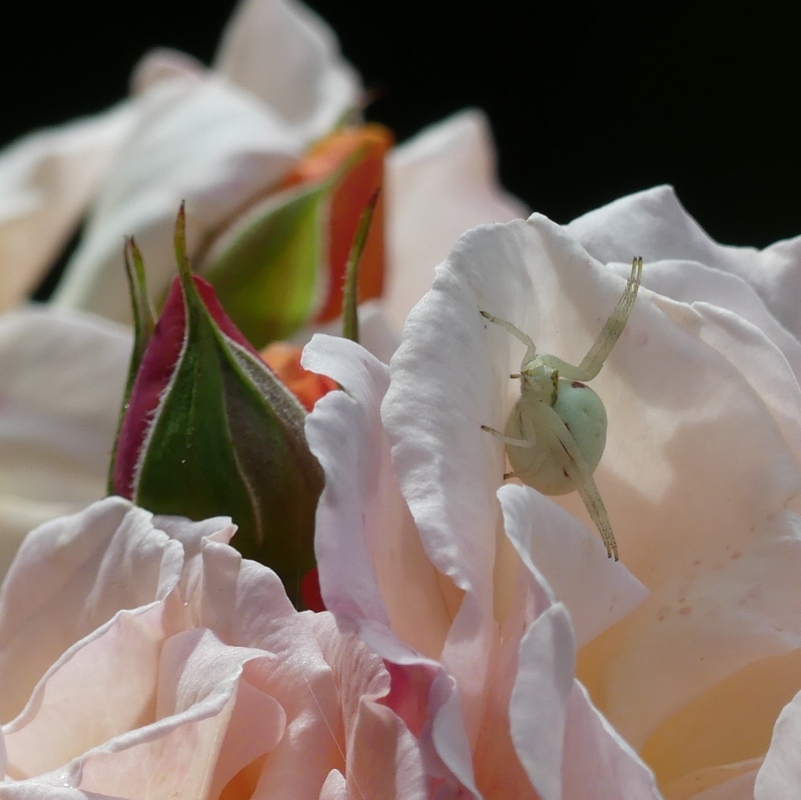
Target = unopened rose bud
(210,430)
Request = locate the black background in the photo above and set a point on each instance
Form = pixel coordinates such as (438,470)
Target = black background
(587,103)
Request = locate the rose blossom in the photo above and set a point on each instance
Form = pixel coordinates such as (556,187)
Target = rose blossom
(221,139)
(700,478)
(141,657)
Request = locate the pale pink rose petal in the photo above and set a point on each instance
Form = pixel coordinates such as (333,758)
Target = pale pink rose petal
(206,142)
(367,543)
(46,182)
(741,328)
(780,775)
(56,425)
(694,283)
(597,760)
(288,57)
(245,604)
(384,759)
(764,366)
(672,401)
(70,577)
(450,376)
(567,748)
(654,224)
(213,717)
(100,690)
(719,600)
(440,183)
(544,682)
(360,476)
(34,790)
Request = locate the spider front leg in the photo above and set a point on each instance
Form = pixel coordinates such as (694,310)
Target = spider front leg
(594,360)
(531,348)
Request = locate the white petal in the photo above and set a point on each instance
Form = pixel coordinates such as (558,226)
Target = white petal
(205,142)
(653,224)
(368,548)
(163,64)
(439,184)
(780,775)
(47,180)
(289,58)
(61,381)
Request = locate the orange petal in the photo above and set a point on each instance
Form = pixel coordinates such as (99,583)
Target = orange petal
(284,360)
(347,204)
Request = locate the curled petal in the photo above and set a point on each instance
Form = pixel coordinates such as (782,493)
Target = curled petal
(655,225)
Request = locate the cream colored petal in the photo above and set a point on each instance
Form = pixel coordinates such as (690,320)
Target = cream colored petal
(728,782)
(47,180)
(439,184)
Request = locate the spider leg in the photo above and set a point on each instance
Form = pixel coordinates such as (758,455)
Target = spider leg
(594,360)
(585,483)
(531,348)
(509,439)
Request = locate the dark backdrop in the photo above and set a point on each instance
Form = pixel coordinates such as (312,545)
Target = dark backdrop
(586,105)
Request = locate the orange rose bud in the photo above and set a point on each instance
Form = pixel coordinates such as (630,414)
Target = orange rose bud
(348,202)
(308,387)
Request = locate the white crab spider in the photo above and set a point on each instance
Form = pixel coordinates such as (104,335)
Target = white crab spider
(556,432)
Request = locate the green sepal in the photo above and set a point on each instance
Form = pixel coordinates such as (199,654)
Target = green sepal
(144,319)
(268,269)
(350,300)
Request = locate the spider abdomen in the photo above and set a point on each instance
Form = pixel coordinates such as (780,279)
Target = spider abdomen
(546,466)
